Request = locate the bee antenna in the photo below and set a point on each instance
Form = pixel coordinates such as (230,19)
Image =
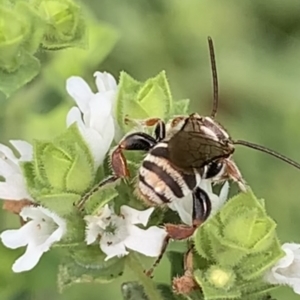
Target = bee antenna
(214,76)
(267,150)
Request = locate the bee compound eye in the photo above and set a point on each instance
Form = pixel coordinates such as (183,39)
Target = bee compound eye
(213,169)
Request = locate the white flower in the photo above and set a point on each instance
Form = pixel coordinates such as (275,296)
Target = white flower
(118,232)
(287,269)
(94,114)
(184,206)
(14,187)
(43,229)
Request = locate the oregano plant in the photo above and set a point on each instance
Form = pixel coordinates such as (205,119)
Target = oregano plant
(234,254)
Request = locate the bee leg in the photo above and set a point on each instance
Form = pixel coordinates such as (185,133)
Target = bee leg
(142,123)
(159,258)
(185,284)
(201,207)
(160,126)
(133,141)
(107,181)
(201,211)
(160,131)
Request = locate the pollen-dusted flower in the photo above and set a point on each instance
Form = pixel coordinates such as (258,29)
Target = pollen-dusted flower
(14,187)
(287,270)
(119,232)
(94,114)
(42,230)
(184,207)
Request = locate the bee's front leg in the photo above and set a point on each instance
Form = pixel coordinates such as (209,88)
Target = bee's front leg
(159,130)
(132,142)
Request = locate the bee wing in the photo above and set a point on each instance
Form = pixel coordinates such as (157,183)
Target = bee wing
(190,150)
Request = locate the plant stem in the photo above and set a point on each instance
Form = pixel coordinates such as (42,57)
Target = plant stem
(150,289)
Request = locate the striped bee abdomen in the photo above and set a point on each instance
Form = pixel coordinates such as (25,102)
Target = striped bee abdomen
(159,182)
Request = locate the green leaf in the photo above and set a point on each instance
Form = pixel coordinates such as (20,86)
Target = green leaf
(134,291)
(81,174)
(74,271)
(26,71)
(212,293)
(138,100)
(256,264)
(242,201)
(56,164)
(62,203)
(98,199)
(256,289)
(35,23)
(180,107)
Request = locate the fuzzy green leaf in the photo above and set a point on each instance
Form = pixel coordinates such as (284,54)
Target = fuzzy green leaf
(256,290)
(242,201)
(57,164)
(62,204)
(98,199)
(80,175)
(35,23)
(256,264)
(212,293)
(180,107)
(142,100)
(134,291)
(91,269)
(28,68)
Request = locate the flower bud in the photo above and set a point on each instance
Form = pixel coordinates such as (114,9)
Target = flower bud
(65,26)
(220,278)
(13,33)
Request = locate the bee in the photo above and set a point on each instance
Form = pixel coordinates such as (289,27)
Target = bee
(181,153)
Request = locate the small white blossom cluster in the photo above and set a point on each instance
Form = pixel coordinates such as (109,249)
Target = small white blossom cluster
(43,228)
(115,233)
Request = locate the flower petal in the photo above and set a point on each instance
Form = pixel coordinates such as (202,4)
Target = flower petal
(28,260)
(218,201)
(15,238)
(31,212)
(148,242)
(74,116)
(14,188)
(96,145)
(205,184)
(24,148)
(8,153)
(80,91)
(111,249)
(134,216)
(91,232)
(105,81)
(56,218)
(56,236)
(184,208)
(99,111)
(8,168)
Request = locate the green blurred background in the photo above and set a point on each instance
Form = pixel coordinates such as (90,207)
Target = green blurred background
(257,46)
